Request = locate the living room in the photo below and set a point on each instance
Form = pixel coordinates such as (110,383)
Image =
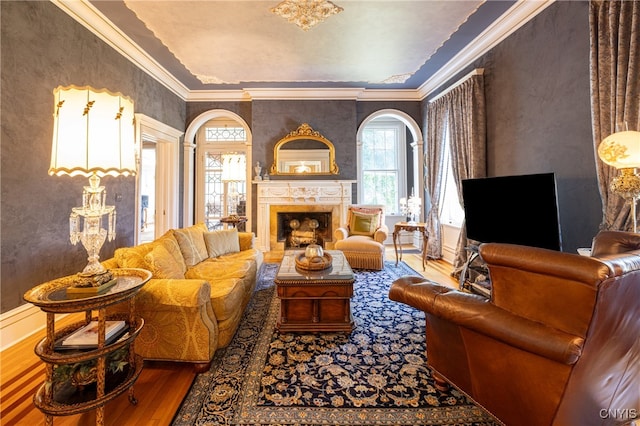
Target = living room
(537,90)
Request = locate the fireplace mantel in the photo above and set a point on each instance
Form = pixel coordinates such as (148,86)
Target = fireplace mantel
(272,195)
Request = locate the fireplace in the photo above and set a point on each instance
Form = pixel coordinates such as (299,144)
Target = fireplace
(299,229)
(328,199)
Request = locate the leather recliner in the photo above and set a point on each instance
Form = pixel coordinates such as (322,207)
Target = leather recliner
(557,342)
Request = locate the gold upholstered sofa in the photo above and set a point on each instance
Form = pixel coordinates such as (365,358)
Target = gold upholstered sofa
(201,282)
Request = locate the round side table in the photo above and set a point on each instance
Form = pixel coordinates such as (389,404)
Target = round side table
(55,398)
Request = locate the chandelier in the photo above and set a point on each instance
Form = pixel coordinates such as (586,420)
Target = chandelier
(306,13)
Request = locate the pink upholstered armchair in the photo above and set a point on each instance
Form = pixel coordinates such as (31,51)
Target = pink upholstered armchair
(361,239)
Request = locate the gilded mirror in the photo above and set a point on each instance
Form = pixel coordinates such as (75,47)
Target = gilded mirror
(304,151)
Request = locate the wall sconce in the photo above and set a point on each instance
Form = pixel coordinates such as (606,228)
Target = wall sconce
(93,136)
(622,151)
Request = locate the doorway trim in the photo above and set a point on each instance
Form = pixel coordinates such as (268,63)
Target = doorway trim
(167,140)
(190,184)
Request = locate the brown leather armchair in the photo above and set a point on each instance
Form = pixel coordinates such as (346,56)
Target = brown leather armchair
(557,343)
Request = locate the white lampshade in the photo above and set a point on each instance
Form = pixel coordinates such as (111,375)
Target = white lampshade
(621,150)
(93,133)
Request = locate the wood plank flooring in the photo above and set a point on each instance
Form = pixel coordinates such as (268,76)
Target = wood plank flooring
(159,389)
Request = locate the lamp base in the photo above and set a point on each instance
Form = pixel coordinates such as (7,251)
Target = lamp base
(93,269)
(627,185)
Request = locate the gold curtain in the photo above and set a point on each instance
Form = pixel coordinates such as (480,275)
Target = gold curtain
(615,91)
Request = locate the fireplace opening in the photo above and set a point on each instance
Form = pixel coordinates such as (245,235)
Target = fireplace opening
(296,229)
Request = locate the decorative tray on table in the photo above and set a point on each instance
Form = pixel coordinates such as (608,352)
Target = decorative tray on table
(317,263)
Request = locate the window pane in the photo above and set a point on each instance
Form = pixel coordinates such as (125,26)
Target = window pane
(450,210)
(380,188)
(381,165)
(225,134)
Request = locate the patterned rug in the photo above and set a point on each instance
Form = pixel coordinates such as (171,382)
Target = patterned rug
(377,375)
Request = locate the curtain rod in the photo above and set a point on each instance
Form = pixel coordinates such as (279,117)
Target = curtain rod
(477,71)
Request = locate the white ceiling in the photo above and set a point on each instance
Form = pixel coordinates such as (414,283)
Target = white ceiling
(223,42)
(202,49)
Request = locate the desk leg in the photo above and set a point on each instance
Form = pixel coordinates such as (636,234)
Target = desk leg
(395,246)
(425,240)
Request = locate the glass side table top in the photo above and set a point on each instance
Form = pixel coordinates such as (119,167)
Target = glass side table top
(339,269)
(52,296)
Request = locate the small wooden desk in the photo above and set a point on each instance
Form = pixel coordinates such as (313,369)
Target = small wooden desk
(411,227)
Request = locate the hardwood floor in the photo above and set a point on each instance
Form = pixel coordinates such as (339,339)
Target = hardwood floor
(159,389)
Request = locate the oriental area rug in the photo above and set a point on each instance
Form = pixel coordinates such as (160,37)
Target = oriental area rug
(377,375)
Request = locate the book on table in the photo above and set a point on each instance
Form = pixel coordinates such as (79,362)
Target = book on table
(86,337)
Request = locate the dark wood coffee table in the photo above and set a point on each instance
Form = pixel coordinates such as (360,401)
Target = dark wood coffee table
(315,300)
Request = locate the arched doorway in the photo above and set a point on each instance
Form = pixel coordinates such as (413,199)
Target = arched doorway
(198,150)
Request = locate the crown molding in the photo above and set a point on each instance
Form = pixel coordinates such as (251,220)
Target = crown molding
(514,18)
(358,94)
(304,94)
(92,19)
(218,96)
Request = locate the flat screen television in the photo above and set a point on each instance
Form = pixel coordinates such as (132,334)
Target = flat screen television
(513,209)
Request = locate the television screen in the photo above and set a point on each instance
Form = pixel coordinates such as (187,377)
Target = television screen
(513,209)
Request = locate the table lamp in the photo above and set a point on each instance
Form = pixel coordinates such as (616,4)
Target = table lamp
(622,151)
(93,136)
(411,207)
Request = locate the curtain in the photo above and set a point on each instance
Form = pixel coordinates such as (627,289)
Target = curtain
(434,165)
(468,143)
(461,114)
(615,91)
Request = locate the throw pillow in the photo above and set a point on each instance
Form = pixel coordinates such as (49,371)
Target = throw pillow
(366,210)
(191,242)
(163,264)
(363,224)
(171,244)
(222,242)
(246,240)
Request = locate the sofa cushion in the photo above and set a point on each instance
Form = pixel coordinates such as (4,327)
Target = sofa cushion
(226,297)
(163,264)
(220,268)
(363,223)
(222,242)
(133,257)
(191,242)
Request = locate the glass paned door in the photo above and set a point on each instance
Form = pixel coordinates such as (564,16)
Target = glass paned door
(225,189)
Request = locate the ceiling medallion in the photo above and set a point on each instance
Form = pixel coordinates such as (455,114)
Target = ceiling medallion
(306,13)
(398,78)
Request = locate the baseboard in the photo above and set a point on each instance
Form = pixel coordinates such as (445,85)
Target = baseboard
(20,323)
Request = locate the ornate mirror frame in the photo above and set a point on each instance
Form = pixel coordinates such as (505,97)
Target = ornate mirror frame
(304,132)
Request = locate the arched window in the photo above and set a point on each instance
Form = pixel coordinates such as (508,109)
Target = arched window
(389,159)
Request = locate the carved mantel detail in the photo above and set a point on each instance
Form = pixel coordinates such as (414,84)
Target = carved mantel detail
(299,195)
